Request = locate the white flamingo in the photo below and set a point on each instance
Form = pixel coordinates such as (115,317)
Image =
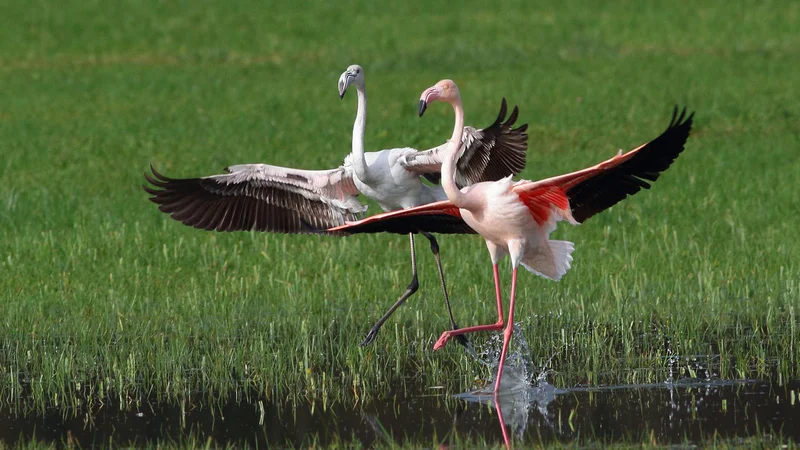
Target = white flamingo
(269,198)
(516,219)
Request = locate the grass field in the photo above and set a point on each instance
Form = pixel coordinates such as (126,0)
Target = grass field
(104,298)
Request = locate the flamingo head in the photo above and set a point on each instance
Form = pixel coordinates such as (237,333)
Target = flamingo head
(445,91)
(353,74)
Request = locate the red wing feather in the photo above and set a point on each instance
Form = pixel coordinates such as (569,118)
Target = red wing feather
(541,200)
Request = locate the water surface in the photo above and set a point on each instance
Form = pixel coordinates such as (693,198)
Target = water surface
(676,412)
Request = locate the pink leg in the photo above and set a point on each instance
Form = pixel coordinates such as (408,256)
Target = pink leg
(507,333)
(506,439)
(494,327)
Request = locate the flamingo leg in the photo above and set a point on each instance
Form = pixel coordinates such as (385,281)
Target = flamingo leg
(506,438)
(462,339)
(493,327)
(507,333)
(410,290)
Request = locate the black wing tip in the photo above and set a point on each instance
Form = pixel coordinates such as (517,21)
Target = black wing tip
(636,173)
(150,180)
(520,131)
(680,126)
(500,115)
(512,118)
(679,120)
(156,180)
(502,122)
(151,191)
(157,174)
(671,141)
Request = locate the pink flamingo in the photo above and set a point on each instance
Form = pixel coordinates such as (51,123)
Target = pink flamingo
(516,219)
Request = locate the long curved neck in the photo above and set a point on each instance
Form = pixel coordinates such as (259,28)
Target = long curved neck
(359,163)
(454,194)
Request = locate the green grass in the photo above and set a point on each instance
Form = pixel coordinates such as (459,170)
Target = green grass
(102,296)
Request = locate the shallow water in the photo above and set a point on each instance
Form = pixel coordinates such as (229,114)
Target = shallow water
(686,410)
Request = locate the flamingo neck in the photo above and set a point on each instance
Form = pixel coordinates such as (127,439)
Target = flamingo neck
(454,194)
(359,162)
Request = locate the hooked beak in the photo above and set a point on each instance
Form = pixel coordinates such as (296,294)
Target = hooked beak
(428,95)
(344,82)
(422,106)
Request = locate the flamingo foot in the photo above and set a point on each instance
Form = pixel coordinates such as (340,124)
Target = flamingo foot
(371,336)
(442,340)
(464,341)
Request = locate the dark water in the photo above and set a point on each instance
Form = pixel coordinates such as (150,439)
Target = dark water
(666,413)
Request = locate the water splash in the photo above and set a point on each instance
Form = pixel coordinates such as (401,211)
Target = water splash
(516,399)
(520,370)
(524,389)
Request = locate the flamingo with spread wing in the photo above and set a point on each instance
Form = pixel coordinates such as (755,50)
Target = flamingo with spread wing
(269,198)
(516,218)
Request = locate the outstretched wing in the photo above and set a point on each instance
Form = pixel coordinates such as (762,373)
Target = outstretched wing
(259,197)
(593,190)
(438,217)
(576,196)
(488,154)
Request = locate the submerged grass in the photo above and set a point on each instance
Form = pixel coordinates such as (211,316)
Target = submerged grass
(102,296)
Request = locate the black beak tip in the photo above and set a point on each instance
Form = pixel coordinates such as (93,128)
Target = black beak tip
(341,95)
(422,106)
